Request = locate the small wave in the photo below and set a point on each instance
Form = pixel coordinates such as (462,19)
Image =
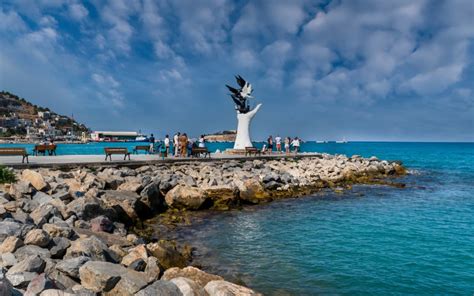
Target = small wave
(414,172)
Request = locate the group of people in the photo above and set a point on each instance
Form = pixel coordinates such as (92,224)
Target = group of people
(277,142)
(179,146)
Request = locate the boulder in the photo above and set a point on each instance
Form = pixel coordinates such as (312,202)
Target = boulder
(43,213)
(131,282)
(10,244)
(71,266)
(102,223)
(253,191)
(38,284)
(5,286)
(224,288)
(152,197)
(37,237)
(160,288)
(32,263)
(184,197)
(126,204)
(91,247)
(86,208)
(167,254)
(100,276)
(62,281)
(34,178)
(134,186)
(198,276)
(188,287)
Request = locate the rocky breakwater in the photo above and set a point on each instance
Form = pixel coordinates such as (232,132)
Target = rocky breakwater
(68,232)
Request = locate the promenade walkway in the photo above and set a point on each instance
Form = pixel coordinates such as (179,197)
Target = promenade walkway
(136,160)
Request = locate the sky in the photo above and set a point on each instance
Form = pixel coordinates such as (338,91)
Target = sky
(398,70)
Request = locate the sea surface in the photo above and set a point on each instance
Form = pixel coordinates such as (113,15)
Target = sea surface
(371,240)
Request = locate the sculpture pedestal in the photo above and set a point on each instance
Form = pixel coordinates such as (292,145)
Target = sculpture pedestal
(242,139)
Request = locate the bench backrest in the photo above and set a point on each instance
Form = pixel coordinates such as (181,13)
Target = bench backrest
(13,151)
(45,147)
(199,149)
(142,147)
(116,150)
(250,148)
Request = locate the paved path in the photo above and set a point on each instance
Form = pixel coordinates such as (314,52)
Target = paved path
(136,160)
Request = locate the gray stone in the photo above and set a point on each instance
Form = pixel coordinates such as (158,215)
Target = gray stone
(8,260)
(32,263)
(57,292)
(152,269)
(220,287)
(200,277)
(21,280)
(100,276)
(188,287)
(60,246)
(85,208)
(130,282)
(71,266)
(42,198)
(62,195)
(91,247)
(152,197)
(189,181)
(30,250)
(126,204)
(62,281)
(43,213)
(6,287)
(160,288)
(37,237)
(10,228)
(10,244)
(183,197)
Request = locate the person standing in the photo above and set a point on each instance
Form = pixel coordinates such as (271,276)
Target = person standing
(176,144)
(151,139)
(270,144)
(167,145)
(287,145)
(278,143)
(183,143)
(296,145)
(202,142)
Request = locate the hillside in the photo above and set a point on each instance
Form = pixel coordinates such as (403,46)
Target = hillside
(224,136)
(20,118)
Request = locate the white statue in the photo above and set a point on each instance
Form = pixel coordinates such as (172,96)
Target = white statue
(244,114)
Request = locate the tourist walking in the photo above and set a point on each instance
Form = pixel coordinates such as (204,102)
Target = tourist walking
(287,145)
(176,144)
(296,145)
(167,145)
(270,144)
(151,139)
(183,143)
(278,143)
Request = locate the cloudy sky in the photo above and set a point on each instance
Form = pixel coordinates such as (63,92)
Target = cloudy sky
(360,70)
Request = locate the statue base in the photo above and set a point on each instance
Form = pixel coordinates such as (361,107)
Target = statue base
(242,138)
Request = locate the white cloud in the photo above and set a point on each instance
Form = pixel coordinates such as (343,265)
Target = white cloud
(12,22)
(77,11)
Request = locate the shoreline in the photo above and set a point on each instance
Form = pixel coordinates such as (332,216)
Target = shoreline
(97,211)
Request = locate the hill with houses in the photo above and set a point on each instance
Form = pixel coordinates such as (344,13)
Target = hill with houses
(21,119)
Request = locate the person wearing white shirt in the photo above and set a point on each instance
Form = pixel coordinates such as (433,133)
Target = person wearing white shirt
(167,144)
(202,142)
(278,143)
(296,144)
(176,144)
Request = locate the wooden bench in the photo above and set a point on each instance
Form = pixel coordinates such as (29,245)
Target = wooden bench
(252,150)
(15,151)
(50,148)
(198,151)
(142,148)
(116,150)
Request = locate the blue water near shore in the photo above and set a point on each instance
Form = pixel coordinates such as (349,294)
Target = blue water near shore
(371,240)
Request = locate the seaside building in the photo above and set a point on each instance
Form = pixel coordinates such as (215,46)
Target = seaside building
(114,136)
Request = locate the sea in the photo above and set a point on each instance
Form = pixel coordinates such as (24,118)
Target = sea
(369,240)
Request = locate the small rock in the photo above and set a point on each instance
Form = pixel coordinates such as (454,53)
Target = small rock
(20,280)
(42,198)
(152,269)
(138,252)
(37,237)
(61,244)
(55,230)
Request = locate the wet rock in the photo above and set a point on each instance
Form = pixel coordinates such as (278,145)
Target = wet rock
(183,197)
(37,237)
(218,288)
(252,191)
(10,244)
(188,287)
(34,178)
(100,276)
(200,277)
(160,288)
(167,254)
(71,266)
(90,247)
(38,284)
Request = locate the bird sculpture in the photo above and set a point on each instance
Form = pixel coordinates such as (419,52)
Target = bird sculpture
(240,96)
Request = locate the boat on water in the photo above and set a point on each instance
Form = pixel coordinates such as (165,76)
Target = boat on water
(342,142)
(113,136)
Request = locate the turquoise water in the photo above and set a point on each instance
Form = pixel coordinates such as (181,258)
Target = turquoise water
(371,240)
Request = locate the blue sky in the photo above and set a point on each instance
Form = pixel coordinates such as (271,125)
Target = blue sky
(363,70)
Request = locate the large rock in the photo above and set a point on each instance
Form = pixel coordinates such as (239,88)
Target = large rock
(37,237)
(160,288)
(100,276)
(134,186)
(200,277)
(130,283)
(10,244)
(184,197)
(42,198)
(126,204)
(167,254)
(188,287)
(6,287)
(12,228)
(91,247)
(56,292)
(223,288)
(71,266)
(30,250)
(19,189)
(35,179)
(43,213)
(253,191)
(38,284)
(32,263)
(152,197)
(22,279)
(86,208)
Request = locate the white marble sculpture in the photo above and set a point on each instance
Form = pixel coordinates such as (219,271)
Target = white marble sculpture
(244,114)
